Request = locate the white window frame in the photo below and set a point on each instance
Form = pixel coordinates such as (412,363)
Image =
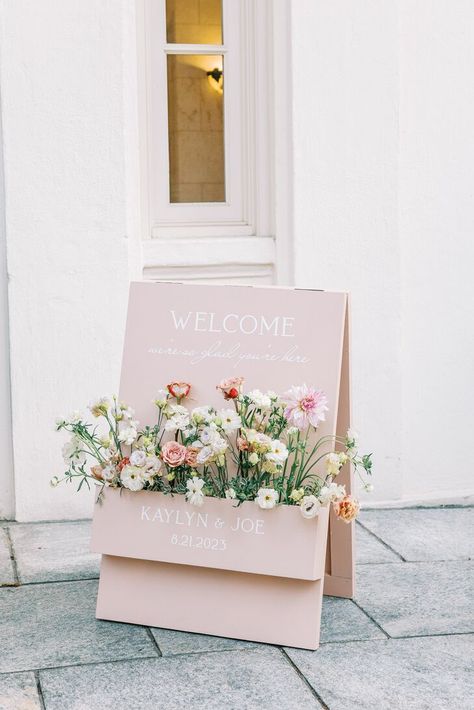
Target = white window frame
(247,210)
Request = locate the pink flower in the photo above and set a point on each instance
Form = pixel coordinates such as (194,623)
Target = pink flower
(173,454)
(347,509)
(230,388)
(305,406)
(178,389)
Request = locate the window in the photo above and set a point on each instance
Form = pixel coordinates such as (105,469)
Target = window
(207,143)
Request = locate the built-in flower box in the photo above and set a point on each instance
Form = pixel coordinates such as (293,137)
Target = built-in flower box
(220,534)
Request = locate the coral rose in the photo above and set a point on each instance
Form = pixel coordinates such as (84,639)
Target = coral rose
(178,389)
(191,455)
(230,388)
(347,509)
(173,454)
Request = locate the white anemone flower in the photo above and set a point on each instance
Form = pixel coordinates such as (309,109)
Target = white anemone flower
(309,506)
(267,498)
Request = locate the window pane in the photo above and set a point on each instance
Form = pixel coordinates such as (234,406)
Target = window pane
(196,128)
(194,21)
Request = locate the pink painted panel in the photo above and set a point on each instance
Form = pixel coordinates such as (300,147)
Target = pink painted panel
(153,526)
(210,601)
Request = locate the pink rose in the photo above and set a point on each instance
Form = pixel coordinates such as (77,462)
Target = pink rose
(231,387)
(173,454)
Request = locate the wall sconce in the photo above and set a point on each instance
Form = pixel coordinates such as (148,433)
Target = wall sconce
(216,80)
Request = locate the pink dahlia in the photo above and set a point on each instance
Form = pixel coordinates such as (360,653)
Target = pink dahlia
(305,406)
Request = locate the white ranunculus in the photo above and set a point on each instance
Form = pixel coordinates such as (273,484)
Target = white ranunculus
(230,420)
(131,477)
(331,493)
(72,452)
(138,458)
(267,498)
(309,506)
(204,455)
(261,400)
(278,453)
(127,434)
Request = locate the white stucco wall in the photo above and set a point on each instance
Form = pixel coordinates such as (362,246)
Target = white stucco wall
(63,122)
(382,108)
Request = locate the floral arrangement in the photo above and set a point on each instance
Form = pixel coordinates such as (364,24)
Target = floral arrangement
(259,447)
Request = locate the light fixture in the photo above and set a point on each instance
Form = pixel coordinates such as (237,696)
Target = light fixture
(216,80)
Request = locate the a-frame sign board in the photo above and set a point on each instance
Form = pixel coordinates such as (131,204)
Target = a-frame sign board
(201,334)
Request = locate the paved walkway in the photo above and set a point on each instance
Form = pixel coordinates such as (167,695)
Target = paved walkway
(407,641)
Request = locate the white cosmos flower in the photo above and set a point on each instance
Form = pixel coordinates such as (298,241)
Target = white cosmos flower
(194,494)
(230,420)
(331,493)
(309,506)
(72,453)
(261,400)
(278,453)
(267,498)
(138,458)
(131,477)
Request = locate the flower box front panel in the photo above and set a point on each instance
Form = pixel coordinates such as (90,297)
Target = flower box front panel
(219,534)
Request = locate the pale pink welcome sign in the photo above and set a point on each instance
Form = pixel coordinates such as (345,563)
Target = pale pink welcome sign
(274,338)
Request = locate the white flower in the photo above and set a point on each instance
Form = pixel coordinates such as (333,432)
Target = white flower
(194,494)
(273,395)
(204,455)
(368,487)
(309,506)
(292,430)
(261,400)
(297,494)
(202,415)
(352,439)
(331,493)
(333,464)
(208,434)
(108,473)
(72,453)
(267,498)
(138,458)
(278,453)
(219,445)
(100,407)
(230,420)
(54,482)
(131,478)
(153,464)
(230,494)
(75,417)
(127,433)
(177,422)
(254,459)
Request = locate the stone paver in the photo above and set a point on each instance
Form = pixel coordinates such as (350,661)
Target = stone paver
(252,679)
(411,599)
(50,551)
(369,550)
(425,533)
(6,567)
(342,620)
(172,643)
(18,692)
(404,674)
(54,625)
